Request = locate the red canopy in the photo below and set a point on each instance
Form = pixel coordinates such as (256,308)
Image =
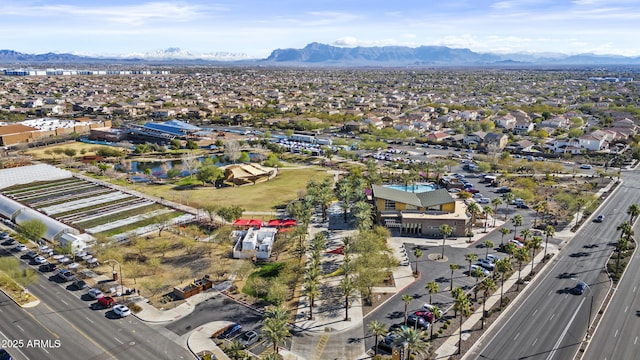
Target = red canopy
(275,222)
(289,222)
(337,251)
(241,222)
(255,222)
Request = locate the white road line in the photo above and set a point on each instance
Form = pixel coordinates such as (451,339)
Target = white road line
(518,334)
(616,334)
(89,320)
(118,340)
(552,316)
(534,342)
(635,341)
(634,288)
(626,309)
(20,327)
(17,348)
(564,332)
(64,302)
(45,350)
(535,312)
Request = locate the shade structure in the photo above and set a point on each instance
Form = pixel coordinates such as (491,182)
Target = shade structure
(255,222)
(275,223)
(289,222)
(241,222)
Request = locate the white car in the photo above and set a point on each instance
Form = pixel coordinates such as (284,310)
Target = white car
(40,260)
(121,310)
(20,247)
(484,200)
(95,294)
(484,271)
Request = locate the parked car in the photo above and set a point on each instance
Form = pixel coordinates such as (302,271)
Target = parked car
(484,200)
(32,254)
(414,320)
(231,331)
(65,275)
(121,310)
(389,343)
(48,267)
(4,235)
(4,355)
(485,263)
(473,190)
(9,241)
(493,258)
(522,206)
(95,293)
(20,247)
(516,243)
(485,272)
(249,338)
(425,315)
(79,284)
(40,260)
(477,196)
(106,301)
(427,307)
(599,219)
(585,166)
(579,288)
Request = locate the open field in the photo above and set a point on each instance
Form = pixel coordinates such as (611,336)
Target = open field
(264,196)
(39,153)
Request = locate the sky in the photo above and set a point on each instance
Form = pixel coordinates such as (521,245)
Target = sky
(256,27)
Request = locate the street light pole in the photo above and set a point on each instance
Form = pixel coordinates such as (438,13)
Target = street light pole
(122,294)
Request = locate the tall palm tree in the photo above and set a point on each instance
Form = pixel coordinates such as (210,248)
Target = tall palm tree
(236,351)
(463,305)
(487,286)
(486,210)
(508,197)
(414,340)
(453,267)
(503,231)
(477,273)
(437,314)
(627,230)
(522,256)
(344,193)
(275,329)
(621,246)
(433,288)
(362,212)
(445,230)
(407,299)
(534,245)
(272,356)
(417,252)
(549,231)
(525,233)
(495,202)
(312,290)
(378,329)
(488,244)
(474,210)
(579,203)
(539,207)
(456,293)
(517,221)
(503,266)
(633,211)
(471,258)
(348,289)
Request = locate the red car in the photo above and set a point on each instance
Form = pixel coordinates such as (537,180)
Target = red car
(425,315)
(106,301)
(473,190)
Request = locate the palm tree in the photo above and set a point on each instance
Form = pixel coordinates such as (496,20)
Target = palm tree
(549,231)
(453,267)
(414,340)
(477,273)
(362,212)
(633,211)
(471,257)
(272,356)
(407,299)
(275,329)
(627,230)
(539,207)
(378,329)
(347,288)
(508,197)
(621,246)
(463,305)
(580,203)
(433,288)
(522,256)
(525,233)
(503,231)
(495,202)
(488,244)
(437,314)
(487,210)
(487,286)
(445,230)
(236,351)
(456,293)
(503,266)
(474,210)
(534,245)
(417,252)
(344,193)
(312,291)
(517,221)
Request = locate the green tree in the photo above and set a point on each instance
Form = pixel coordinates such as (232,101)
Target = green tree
(471,258)
(508,197)
(488,244)
(175,144)
(503,231)
(503,267)
(445,230)
(191,145)
(417,252)
(348,289)
(209,174)
(244,157)
(311,290)
(487,286)
(407,299)
(33,229)
(633,211)
(474,210)
(534,244)
(378,329)
(522,256)
(414,340)
(487,211)
(549,231)
(453,267)
(433,288)
(70,152)
(495,202)
(462,305)
(230,213)
(516,221)
(275,329)
(437,314)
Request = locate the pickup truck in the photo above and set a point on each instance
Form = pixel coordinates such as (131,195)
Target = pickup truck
(106,301)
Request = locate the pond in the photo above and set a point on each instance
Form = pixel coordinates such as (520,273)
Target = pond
(159,168)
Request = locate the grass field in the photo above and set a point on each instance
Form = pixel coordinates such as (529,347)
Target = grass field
(39,154)
(264,196)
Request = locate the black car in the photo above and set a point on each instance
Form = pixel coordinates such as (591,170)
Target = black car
(48,267)
(9,241)
(522,206)
(417,321)
(231,331)
(4,355)
(579,289)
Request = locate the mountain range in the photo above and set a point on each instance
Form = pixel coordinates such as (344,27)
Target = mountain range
(322,55)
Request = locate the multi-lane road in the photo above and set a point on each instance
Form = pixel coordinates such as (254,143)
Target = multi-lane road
(548,322)
(65,326)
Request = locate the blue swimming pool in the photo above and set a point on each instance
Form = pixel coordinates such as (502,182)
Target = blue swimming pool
(415,188)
